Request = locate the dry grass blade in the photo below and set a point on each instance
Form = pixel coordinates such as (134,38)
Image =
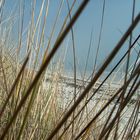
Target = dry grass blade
(53,28)
(130,41)
(21,23)
(74,65)
(100,35)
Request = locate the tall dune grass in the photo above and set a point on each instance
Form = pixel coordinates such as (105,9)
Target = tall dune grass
(35,103)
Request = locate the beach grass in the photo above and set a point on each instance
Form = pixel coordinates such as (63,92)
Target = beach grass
(37,102)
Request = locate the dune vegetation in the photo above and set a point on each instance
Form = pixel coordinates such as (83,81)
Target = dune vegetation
(36,100)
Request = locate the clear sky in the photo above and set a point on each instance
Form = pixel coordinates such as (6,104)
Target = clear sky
(117,17)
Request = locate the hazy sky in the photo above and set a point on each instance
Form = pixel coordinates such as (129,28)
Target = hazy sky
(117,17)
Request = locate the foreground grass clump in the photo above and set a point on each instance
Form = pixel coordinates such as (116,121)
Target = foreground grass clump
(37,101)
(37,115)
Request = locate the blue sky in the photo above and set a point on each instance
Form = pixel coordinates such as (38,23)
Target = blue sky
(117,17)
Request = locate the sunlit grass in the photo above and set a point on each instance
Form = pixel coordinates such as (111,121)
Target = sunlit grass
(35,100)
